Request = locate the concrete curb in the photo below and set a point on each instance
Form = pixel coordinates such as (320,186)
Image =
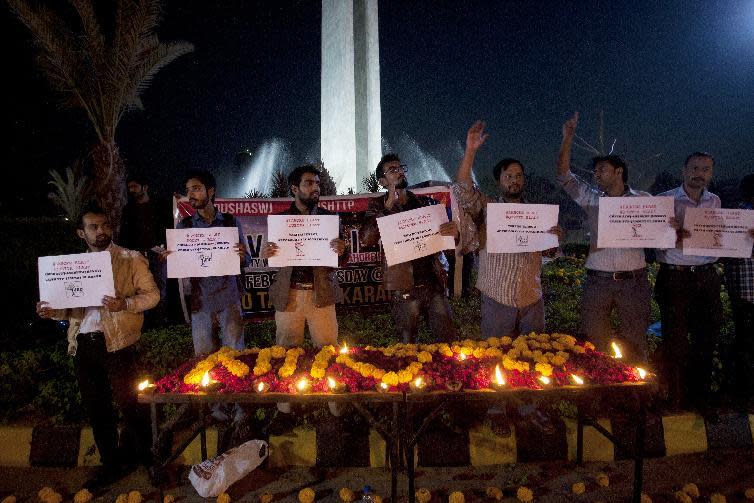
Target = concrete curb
(681,434)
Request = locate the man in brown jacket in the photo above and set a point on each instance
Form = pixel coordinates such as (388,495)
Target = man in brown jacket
(418,286)
(102,341)
(306,294)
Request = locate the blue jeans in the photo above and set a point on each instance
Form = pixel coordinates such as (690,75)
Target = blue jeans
(230,323)
(499,320)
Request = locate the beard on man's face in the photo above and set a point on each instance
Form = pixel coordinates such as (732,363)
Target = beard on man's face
(402,184)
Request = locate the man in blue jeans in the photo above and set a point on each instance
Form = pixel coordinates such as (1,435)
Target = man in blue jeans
(216,297)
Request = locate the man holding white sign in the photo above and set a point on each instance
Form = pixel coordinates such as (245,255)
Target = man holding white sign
(418,286)
(688,292)
(305,295)
(616,277)
(102,339)
(214,297)
(510,263)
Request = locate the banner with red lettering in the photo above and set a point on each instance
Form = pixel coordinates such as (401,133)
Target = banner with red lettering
(360,278)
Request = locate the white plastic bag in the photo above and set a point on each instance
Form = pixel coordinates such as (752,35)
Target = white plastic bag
(215,475)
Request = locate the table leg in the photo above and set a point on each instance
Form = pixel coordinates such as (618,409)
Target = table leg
(203,432)
(639,452)
(579,438)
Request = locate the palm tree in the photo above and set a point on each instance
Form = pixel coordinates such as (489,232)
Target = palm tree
(103,73)
(70,194)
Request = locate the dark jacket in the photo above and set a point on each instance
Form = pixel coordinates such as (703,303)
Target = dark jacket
(326,289)
(399,276)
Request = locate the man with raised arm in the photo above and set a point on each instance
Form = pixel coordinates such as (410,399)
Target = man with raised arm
(510,284)
(616,278)
(418,286)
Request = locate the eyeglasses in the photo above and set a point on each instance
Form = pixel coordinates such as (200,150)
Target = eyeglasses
(397,169)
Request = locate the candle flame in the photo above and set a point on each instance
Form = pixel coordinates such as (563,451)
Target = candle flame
(419,382)
(461,356)
(302,384)
(544,380)
(577,379)
(642,373)
(205,380)
(143,385)
(384,386)
(344,349)
(331,382)
(260,387)
(617,354)
(499,375)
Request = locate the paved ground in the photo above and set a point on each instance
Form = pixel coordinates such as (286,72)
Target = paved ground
(728,472)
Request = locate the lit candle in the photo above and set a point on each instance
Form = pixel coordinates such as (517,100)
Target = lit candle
(544,380)
(383,387)
(499,382)
(208,384)
(205,380)
(616,350)
(461,356)
(576,379)
(335,386)
(262,387)
(145,386)
(417,384)
(302,385)
(453,385)
(344,349)
(642,373)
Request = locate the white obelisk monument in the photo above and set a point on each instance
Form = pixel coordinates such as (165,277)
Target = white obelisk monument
(351,128)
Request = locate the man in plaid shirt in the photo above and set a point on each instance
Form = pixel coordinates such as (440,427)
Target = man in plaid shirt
(739,280)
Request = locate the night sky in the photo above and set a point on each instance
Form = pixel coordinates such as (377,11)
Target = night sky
(671,77)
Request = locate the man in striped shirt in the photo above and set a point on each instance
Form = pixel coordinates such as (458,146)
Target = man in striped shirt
(512,301)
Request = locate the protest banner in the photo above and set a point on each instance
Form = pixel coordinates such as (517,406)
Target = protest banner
(717,232)
(202,252)
(79,280)
(360,278)
(413,234)
(514,228)
(303,240)
(635,222)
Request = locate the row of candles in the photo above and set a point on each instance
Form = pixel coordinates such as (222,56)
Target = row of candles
(417,385)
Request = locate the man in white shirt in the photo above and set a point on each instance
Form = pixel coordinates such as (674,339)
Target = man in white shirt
(688,292)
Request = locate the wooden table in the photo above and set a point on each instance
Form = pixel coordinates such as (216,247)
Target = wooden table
(397,428)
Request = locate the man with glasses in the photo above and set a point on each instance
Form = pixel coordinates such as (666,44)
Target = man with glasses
(418,286)
(615,277)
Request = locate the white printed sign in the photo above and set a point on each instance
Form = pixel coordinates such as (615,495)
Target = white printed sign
(202,252)
(414,234)
(635,222)
(303,240)
(514,228)
(80,280)
(717,232)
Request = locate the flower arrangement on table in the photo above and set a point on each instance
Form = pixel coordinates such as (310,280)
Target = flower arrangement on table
(530,361)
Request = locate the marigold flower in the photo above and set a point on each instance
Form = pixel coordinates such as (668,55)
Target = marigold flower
(223,498)
(9,499)
(494,493)
(749,493)
(168,498)
(645,498)
(135,497)
(691,489)
(717,498)
(682,497)
(306,495)
(602,480)
(423,495)
(122,498)
(83,496)
(346,495)
(578,488)
(456,497)
(265,498)
(524,494)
